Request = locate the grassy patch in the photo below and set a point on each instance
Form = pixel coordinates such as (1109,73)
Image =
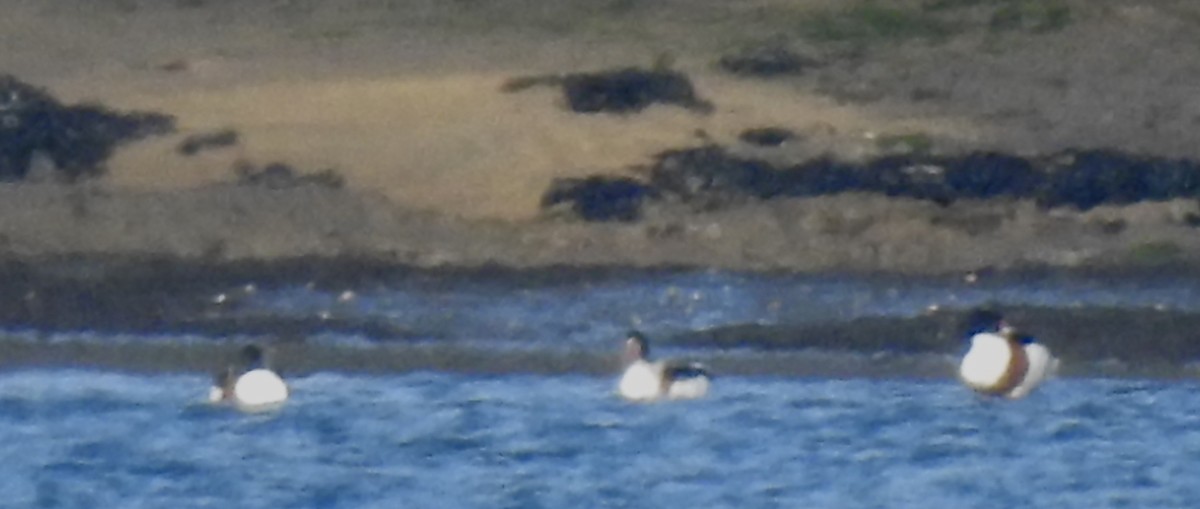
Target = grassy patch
(1030,15)
(563,17)
(1155,253)
(945,5)
(874,22)
(871,22)
(331,35)
(1005,15)
(907,143)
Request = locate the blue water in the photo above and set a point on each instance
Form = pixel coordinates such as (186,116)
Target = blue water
(93,439)
(71,438)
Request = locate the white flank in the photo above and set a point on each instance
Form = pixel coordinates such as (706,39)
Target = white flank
(642,381)
(985,363)
(1042,365)
(259,389)
(688,388)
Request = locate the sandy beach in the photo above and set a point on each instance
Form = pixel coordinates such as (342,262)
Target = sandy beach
(402,100)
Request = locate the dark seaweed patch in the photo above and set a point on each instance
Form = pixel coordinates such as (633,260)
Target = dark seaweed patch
(77,139)
(767,136)
(626,90)
(1090,178)
(710,175)
(283,176)
(765,62)
(990,175)
(710,171)
(600,198)
(1083,179)
(195,143)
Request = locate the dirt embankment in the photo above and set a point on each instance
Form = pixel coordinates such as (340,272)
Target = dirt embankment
(431,163)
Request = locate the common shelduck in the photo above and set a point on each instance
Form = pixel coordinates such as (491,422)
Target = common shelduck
(646,380)
(249,384)
(1000,361)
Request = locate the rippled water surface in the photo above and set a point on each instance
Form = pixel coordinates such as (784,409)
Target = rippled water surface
(94,439)
(74,438)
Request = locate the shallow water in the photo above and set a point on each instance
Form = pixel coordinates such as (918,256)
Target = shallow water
(572,320)
(93,439)
(593,312)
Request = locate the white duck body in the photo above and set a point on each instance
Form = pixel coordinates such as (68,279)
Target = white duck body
(996,364)
(986,363)
(688,388)
(254,391)
(645,380)
(649,381)
(1042,366)
(258,390)
(642,381)
(249,384)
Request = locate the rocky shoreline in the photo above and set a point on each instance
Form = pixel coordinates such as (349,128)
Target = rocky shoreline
(848,232)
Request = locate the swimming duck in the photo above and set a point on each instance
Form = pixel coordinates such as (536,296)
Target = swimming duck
(250,384)
(646,380)
(1000,361)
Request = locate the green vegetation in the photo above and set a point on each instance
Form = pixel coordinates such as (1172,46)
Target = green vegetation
(941,5)
(689,24)
(1030,15)
(1003,15)
(869,21)
(331,35)
(908,143)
